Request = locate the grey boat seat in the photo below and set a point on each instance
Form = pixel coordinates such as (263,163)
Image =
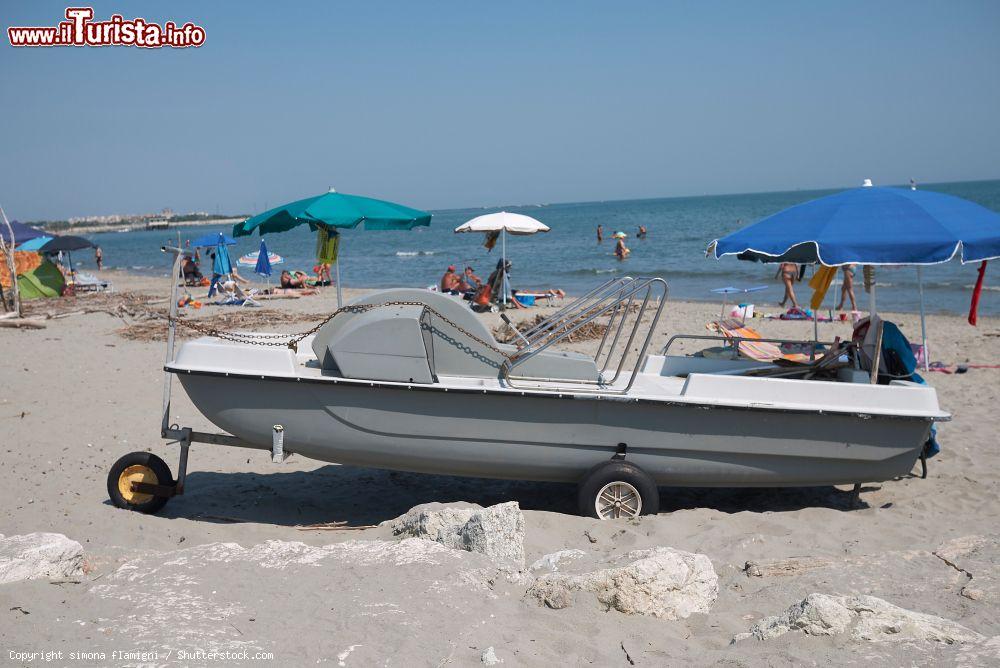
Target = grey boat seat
(406,343)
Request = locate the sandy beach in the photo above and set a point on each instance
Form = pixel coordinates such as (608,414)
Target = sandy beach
(228,566)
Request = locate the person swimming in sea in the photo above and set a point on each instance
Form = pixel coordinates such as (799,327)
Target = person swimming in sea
(621,250)
(641,234)
(600,234)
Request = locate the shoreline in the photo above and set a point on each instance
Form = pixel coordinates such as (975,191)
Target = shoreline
(862,296)
(126,227)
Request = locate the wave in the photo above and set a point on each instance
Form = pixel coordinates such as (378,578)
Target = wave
(590,271)
(414,253)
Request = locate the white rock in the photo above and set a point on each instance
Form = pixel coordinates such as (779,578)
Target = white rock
(550,562)
(489,657)
(661,582)
(39,555)
(497,531)
(866,617)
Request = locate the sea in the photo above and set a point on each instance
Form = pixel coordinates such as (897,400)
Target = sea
(569,257)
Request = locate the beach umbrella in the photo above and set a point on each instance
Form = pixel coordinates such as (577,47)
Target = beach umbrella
(21,232)
(503,223)
(730,290)
(333,210)
(66,244)
(871,226)
(213,239)
(254,260)
(33,244)
(222,265)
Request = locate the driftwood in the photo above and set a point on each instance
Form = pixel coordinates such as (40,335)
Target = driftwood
(333,526)
(22,323)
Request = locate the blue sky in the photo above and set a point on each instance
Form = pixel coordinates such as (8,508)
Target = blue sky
(452,104)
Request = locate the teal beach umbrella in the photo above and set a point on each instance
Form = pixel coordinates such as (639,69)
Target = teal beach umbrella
(334,210)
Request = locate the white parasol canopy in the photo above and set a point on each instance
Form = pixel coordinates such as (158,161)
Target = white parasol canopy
(505,223)
(512,223)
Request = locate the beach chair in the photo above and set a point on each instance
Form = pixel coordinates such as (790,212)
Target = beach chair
(760,351)
(83,282)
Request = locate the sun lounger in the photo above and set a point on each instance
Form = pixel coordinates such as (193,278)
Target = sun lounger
(761,351)
(84,282)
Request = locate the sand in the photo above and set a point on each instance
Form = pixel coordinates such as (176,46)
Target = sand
(78,394)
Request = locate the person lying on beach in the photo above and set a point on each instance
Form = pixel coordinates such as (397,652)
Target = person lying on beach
(236,276)
(290,281)
(450,282)
(528,298)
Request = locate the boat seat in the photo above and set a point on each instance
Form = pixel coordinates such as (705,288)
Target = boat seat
(449,350)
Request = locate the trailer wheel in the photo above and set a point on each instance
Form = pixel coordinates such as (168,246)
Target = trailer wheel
(617,489)
(138,467)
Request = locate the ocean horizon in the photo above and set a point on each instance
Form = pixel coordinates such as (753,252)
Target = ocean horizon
(569,256)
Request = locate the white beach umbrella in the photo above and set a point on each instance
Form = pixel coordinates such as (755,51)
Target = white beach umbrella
(503,222)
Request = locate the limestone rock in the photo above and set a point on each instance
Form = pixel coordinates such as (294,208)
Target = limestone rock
(660,582)
(496,531)
(39,555)
(489,657)
(865,617)
(550,562)
(977,557)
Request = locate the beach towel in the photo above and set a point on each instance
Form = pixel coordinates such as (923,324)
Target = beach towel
(820,283)
(976,292)
(327,245)
(761,351)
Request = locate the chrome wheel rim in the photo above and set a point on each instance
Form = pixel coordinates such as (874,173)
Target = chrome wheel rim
(616,500)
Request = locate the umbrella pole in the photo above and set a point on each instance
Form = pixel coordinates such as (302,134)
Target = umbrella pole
(871,294)
(340,295)
(503,265)
(923,322)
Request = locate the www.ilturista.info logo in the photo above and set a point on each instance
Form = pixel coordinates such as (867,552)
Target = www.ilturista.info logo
(80,30)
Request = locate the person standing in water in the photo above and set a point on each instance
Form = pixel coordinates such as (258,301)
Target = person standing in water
(600,234)
(641,234)
(99,258)
(621,250)
(847,288)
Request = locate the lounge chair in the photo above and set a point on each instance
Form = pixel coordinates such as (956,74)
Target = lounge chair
(761,351)
(83,282)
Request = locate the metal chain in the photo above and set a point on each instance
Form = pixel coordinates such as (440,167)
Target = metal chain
(292,340)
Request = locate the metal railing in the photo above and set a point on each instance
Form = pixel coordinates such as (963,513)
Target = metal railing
(618,299)
(735,341)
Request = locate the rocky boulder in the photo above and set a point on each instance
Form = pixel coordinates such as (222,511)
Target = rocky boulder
(496,531)
(660,582)
(864,617)
(39,555)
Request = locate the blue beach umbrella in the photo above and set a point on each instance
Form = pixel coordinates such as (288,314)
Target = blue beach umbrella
(222,265)
(34,244)
(21,231)
(869,225)
(263,262)
(214,239)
